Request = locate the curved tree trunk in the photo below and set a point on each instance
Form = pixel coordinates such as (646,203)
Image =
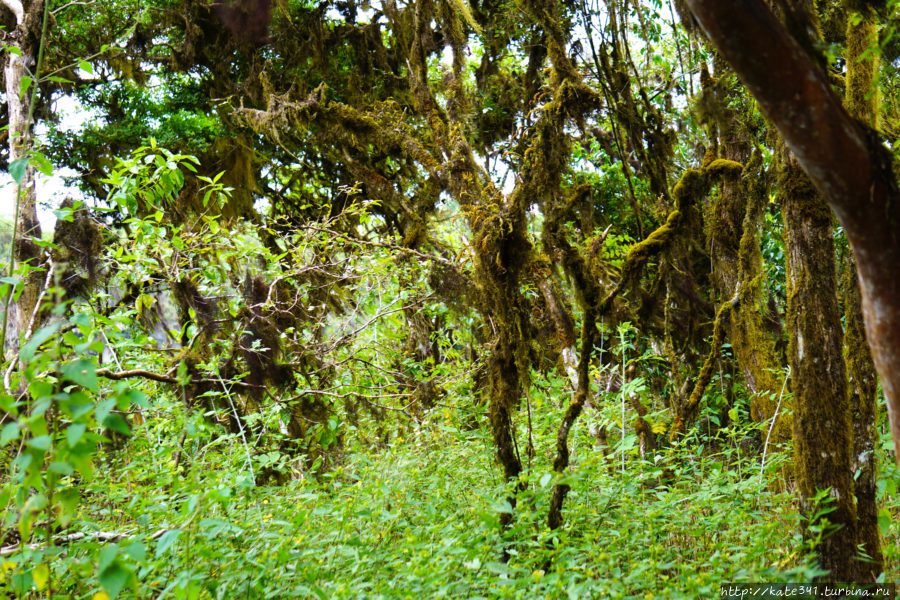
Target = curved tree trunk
(738,271)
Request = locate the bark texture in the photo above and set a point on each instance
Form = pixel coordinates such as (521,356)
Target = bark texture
(822,431)
(738,273)
(861,100)
(26,38)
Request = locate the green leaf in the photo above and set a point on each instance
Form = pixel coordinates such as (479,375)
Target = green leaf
(137,551)
(42,164)
(107,555)
(83,372)
(41,575)
(182,374)
(166,540)
(25,84)
(40,389)
(9,433)
(67,502)
(31,346)
(9,404)
(117,423)
(35,504)
(74,433)
(41,442)
(126,399)
(17,169)
(61,467)
(884,521)
(86,66)
(103,409)
(113,579)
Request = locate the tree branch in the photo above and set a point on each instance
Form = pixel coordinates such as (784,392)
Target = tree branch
(16,7)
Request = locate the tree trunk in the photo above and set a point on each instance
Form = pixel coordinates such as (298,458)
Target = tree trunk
(26,39)
(845,161)
(861,100)
(818,381)
(565,327)
(738,270)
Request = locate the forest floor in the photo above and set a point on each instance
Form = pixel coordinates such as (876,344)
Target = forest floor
(421,519)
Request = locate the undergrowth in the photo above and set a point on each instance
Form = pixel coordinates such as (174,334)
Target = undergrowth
(420,519)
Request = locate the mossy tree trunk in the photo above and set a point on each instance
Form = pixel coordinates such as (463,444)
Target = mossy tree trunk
(555,303)
(845,160)
(26,39)
(822,431)
(738,272)
(500,243)
(861,100)
(737,266)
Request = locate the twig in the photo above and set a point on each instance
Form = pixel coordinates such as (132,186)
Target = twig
(423,255)
(240,425)
(118,375)
(68,4)
(102,536)
(762,465)
(37,305)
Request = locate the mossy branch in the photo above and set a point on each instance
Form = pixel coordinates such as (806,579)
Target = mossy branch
(686,412)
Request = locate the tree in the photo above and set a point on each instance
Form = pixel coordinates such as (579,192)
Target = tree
(849,166)
(845,161)
(24,50)
(326,227)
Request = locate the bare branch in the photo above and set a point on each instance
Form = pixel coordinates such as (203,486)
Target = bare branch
(55,11)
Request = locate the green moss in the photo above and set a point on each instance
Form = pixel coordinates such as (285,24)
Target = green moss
(862,97)
(725,168)
(690,188)
(818,377)
(862,102)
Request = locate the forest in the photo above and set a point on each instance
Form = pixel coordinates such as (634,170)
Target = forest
(449,299)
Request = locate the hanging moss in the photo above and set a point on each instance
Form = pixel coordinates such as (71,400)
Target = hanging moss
(78,242)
